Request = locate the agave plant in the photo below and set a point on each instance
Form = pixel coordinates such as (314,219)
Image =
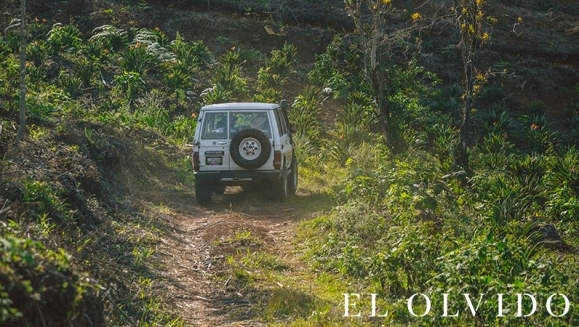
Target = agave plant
(110,35)
(38,52)
(305,111)
(71,85)
(63,37)
(177,77)
(497,121)
(150,41)
(86,70)
(137,59)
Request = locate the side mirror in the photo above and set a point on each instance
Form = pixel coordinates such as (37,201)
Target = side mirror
(284,104)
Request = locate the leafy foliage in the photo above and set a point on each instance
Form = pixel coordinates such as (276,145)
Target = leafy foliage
(37,280)
(404,222)
(305,112)
(64,37)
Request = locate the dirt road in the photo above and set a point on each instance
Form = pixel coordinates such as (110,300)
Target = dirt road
(199,240)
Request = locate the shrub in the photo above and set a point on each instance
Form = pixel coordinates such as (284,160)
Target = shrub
(86,69)
(95,50)
(177,77)
(227,79)
(445,141)
(38,29)
(304,114)
(352,128)
(13,40)
(538,134)
(564,170)
(282,61)
(108,35)
(129,84)
(497,121)
(495,151)
(267,79)
(268,95)
(494,264)
(137,59)
(330,71)
(35,281)
(491,93)
(153,43)
(38,52)
(4,48)
(64,37)
(71,85)
(190,54)
(216,94)
(504,200)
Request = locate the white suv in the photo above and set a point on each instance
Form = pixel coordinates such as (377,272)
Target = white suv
(244,144)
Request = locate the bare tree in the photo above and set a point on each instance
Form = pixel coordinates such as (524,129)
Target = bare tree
(369,20)
(469,18)
(377,46)
(23,32)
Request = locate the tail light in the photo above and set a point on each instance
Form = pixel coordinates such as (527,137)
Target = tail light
(196,162)
(277,160)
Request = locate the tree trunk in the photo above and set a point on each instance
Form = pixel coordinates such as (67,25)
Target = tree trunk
(22,129)
(383,107)
(469,49)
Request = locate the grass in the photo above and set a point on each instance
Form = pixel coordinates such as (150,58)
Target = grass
(103,156)
(282,289)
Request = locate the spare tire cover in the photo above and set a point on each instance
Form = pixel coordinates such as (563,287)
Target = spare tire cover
(250,148)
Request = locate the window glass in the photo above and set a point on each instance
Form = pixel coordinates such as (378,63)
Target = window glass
(280,125)
(284,122)
(214,125)
(243,120)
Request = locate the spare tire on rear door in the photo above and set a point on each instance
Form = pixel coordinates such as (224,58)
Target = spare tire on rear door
(250,148)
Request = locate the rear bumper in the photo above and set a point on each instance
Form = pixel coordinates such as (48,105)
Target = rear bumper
(239,177)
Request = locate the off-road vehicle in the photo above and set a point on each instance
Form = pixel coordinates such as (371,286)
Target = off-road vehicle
(244,144)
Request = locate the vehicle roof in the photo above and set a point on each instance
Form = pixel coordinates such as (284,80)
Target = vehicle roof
(240,106)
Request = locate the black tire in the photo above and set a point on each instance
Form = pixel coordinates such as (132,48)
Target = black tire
(292,183)
(203,193)
(250,148)
(250,187)
(219,189)
(280,187)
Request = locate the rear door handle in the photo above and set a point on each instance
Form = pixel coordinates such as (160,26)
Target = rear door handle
(221,142)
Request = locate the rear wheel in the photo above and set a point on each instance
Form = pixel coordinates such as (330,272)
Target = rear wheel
(219,189)
(280,187)
(293,177)
(203,193)
(250,187)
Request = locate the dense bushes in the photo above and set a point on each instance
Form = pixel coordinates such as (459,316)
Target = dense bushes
(414,222)
(402,227)
(39,287)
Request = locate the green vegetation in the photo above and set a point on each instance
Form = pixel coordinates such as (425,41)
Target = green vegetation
(415,193)
(414,222)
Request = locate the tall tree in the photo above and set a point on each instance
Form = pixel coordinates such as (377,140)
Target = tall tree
(378,43)
(23,32)
(469,18)
(370,17)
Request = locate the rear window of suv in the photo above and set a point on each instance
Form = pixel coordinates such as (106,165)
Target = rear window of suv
(243,120)
(215,124)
